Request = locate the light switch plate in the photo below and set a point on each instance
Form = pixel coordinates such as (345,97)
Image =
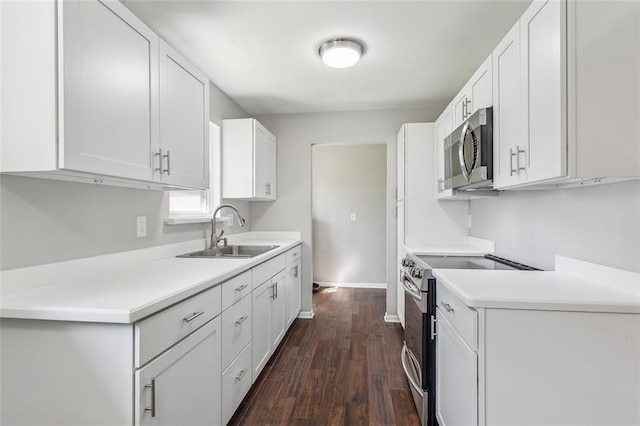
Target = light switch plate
(353,217)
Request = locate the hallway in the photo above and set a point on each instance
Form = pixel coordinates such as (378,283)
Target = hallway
(342,367)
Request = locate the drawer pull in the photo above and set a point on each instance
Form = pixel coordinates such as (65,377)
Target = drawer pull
(241,375)
(242,287)
(192,317)
(153,398)
(242,319)
(447,307)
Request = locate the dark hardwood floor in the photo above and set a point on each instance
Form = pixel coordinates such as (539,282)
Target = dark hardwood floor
(341,368)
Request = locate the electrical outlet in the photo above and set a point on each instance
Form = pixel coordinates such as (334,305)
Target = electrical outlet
(353,217)
(141,226)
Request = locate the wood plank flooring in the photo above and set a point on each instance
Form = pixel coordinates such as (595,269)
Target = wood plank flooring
(341,368)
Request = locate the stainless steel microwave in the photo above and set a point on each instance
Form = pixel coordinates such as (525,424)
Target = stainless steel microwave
(468,153)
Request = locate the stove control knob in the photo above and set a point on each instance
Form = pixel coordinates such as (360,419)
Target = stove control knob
(419,273)
(411,263)
(405,262)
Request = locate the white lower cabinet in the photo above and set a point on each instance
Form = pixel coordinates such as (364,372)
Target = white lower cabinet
(189,364)
(236,382)
(456,386)
(277,311)
(535,367)
(182,386)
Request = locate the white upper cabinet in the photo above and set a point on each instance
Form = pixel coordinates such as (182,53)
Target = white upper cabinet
(248,160)
(184,121)
(108,103)
(477,93)
(121,95)
(443,128)
(578,99)
(508,139)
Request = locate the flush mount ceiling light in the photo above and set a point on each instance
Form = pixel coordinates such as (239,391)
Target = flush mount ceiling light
(341,52)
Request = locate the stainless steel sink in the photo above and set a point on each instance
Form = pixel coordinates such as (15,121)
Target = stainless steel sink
(232,251)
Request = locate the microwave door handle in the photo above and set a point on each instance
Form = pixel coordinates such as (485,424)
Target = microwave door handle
(467,171)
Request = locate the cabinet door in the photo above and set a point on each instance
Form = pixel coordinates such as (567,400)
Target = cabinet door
(292,292)
(480,87)
(184,121)
(261,344)
(543,67)
(108,112)
(400,156)
(182,386)
(456,377)
(277,311)
(271,166)
(507,134)
(264,184)
(461,105)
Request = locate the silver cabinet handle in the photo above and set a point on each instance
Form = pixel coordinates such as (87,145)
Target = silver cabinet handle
(241,374)
(447,307)
(518,152)
(512,155)
(242,319)
(276,289)
(242,287)
(152,386)
(440,185)
(192,317)
(268,189)
(159,155)
(296,271)
(273,290)
(468,102)
(464,109)
(168,169)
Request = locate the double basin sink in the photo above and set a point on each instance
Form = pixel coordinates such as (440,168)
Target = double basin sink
(231,251)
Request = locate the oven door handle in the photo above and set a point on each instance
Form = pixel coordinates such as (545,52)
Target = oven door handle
(407,357)
(411,288)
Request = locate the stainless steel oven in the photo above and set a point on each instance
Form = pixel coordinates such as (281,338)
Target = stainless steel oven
(418,354)
(419,349)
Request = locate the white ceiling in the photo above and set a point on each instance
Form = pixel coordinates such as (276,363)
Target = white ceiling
(263,54)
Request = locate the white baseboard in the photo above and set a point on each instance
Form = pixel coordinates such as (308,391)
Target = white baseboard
(306,315)
(352,285)
(391,318)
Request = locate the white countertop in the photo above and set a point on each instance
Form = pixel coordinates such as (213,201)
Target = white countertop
(130,293)
(565,290)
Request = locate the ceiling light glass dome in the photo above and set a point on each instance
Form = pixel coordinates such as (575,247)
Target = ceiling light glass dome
(341,52)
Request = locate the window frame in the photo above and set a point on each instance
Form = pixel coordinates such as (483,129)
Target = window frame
(211,198)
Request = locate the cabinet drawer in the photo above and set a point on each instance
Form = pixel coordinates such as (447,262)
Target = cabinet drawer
(236,329)
(156,333)
(462,318)
(235,289)
(236,382)
(293,254)
(266,270)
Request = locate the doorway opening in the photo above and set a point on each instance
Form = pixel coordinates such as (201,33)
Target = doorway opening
(349,184)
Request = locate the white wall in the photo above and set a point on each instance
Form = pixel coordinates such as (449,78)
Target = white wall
(44,221)
(296,134)
(599,224)
(349,179)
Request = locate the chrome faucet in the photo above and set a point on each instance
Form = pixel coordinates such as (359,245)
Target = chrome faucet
(215,238)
